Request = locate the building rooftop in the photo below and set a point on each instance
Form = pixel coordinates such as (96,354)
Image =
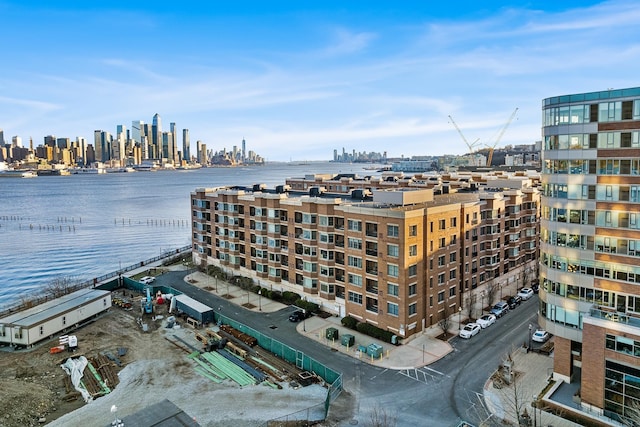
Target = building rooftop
(55,307)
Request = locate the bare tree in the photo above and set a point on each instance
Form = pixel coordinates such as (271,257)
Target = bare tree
(445,321)
(515,395)
(60,286)
(380,418)
(471,302)
(490,291)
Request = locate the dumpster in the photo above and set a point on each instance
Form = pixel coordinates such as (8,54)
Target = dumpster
(348,340)
(331,333)
(374,350)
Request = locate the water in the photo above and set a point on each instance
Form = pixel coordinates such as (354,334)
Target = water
(83,226)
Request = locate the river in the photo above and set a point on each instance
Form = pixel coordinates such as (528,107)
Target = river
(83,226)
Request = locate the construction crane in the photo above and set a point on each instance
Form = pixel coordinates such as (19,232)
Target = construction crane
(500,134)
(469,145)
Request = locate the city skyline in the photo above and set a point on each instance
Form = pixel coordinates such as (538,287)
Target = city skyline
(380,79)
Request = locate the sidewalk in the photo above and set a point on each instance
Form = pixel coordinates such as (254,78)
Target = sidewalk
(532,374)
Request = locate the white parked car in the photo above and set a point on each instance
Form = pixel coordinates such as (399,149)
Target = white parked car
(486,320)
(540,336)
(525,293)
(469,330)
(147,279)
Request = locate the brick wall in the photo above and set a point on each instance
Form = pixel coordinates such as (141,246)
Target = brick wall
(592,388)
(562,356)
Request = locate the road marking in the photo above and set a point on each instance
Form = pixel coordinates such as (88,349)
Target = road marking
(422,375)
(437,372)
(375,376)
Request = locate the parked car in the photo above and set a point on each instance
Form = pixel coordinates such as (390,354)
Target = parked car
(500,309)
(525,293)
(486,320)
(297,316)
(469,330)
(540,336)
(514,302)
(147,279)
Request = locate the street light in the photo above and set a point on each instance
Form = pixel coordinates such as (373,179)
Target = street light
(260,299)
(482,302)
(534,403)
(530,329)
(459,317)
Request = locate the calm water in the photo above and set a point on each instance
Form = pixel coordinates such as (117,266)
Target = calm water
(84,226)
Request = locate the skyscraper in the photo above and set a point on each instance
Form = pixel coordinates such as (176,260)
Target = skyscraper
(156,135)
(173,144)
(186,149)
(590,244)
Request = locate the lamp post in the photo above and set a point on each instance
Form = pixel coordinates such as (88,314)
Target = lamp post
(481,303)
(534,403)
(459,317)
(259,299)
(304,316)
(530,329)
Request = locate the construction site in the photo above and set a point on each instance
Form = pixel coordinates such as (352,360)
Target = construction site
(138,353)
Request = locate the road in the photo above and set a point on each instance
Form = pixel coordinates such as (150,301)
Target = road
(442,393)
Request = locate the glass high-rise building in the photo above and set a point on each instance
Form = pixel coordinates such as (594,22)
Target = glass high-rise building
(590,245)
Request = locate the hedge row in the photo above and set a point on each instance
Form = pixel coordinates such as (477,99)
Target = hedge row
(367,329)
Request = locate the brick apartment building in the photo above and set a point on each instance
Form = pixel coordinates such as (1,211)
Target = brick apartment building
(397,252)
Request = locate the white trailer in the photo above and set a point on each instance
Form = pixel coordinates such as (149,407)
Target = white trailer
(35,324)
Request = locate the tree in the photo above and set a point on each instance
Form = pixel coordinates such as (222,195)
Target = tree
(445,321)
(490,291)
(380,418)
(514,397)
(471,302)
(60,286)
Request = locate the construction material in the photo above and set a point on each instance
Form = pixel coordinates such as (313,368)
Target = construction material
(247,339)
(75,369)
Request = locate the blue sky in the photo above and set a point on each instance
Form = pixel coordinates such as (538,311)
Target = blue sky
(300,79)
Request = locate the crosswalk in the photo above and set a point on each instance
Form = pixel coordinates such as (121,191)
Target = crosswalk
(424,375)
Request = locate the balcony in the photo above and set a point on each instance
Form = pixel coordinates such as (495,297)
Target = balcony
(614,316)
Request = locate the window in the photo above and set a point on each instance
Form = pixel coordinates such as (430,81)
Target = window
(355,243)
(355,298)
(441,261)
(392,250)
(442,224)
(452,292)
(413,230)
(354,225)
(413,270)
(355,280)
(392,309)
(413,289)
(454,221)
(443,242)
(440,278)
(355,261)
(393,231)
(413,309)
(392,289)
(452,257)
(413,250)
(392,270)
(452,274)
(440,296)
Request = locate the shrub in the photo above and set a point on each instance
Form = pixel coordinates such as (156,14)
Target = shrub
(349,322)
(308,306)
(374,331)
(290,297)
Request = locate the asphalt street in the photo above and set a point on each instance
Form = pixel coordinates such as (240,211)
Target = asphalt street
(443,393)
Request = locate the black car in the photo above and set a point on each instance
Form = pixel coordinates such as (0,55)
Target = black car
(514,301)
(536,287)
(297,316)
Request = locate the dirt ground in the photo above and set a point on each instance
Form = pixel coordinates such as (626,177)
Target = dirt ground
(32,390)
